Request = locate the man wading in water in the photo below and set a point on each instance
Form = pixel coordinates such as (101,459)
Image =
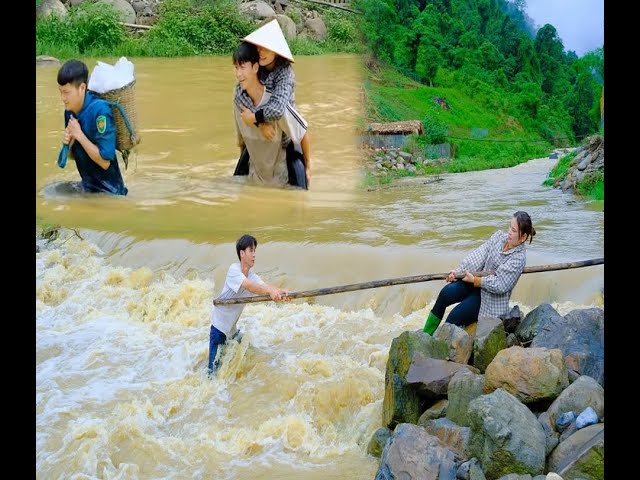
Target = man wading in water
(240,282)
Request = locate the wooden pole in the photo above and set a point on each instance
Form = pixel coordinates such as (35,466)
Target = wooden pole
(134,25)
(329,5)
(402,280)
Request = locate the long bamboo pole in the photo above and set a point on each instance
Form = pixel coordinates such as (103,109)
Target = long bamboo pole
(135,25)
(403,280)
(341,7)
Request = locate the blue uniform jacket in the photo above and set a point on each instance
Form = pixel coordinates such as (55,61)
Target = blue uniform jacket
(96,121)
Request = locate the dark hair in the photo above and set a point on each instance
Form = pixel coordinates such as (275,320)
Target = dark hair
(524,225)
(74,72)
(244,242)
(246,52)
(281,62)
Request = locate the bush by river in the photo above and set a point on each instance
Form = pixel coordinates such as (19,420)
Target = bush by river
(185,27)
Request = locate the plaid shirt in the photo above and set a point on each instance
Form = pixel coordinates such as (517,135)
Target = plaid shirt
(279,83)
(508,266)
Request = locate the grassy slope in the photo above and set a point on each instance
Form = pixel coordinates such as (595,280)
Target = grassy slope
(393,97)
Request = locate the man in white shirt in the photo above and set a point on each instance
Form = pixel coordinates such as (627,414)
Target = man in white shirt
(240,282)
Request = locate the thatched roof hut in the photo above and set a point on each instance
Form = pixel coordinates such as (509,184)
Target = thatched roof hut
(396,128)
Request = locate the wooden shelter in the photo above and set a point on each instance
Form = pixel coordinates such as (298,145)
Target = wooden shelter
(396,128)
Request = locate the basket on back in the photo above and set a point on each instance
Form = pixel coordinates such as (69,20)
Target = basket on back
(123,106)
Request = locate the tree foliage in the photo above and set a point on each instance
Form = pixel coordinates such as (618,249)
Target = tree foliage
(489,48)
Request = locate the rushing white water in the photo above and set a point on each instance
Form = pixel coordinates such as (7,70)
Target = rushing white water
(121,389)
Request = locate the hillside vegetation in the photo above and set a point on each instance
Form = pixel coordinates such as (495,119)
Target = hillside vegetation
(514,92)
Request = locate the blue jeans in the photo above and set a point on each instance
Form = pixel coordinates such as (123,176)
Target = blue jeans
(216,338)
(466,295)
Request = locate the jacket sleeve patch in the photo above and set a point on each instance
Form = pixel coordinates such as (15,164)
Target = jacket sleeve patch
(101,123)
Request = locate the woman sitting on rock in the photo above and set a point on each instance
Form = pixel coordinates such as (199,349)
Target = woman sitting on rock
(504,254)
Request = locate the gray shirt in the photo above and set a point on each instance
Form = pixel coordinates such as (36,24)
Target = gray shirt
(268,163)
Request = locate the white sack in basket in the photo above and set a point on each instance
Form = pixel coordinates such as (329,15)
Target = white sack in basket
(107,77)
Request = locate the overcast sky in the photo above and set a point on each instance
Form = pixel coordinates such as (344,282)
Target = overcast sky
(580,23)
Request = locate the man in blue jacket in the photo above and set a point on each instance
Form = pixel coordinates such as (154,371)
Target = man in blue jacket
(90,132)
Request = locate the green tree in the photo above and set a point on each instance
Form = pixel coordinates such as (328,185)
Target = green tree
(429,56)
(581,105)
(550,52)
(378,19)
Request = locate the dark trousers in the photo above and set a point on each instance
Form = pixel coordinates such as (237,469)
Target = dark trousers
(468,298)
(216,338)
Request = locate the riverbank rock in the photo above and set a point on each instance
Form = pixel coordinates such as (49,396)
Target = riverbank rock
(584,392)
(464,387)
(490,339)
(46,61)
(293,19)
(124,9)
(506,436)
(536,321)
(51,7)
(257,10)
(581,455)
(413,454)
(402,401)
(580,337)
(588,162)
(131,11)
(529,374)
(518,420)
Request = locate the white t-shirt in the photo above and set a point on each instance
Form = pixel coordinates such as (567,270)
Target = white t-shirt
(225,317)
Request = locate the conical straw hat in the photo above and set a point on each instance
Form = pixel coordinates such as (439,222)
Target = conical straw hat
(270,36)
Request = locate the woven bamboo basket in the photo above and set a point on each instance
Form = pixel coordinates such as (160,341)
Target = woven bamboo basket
(125,96)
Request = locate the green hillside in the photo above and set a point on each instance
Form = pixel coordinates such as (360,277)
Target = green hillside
(481,77)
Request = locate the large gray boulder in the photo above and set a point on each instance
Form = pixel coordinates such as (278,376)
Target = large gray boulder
(535,321)
(464,387)
(490,339)
(580,337)
(402,401)
(123,8)
(258,10)
(581,456)
(145,8)
(505,436)
(413,454)
(287,25)
(315,26)
(530,374)
(51,7)
(459,341)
